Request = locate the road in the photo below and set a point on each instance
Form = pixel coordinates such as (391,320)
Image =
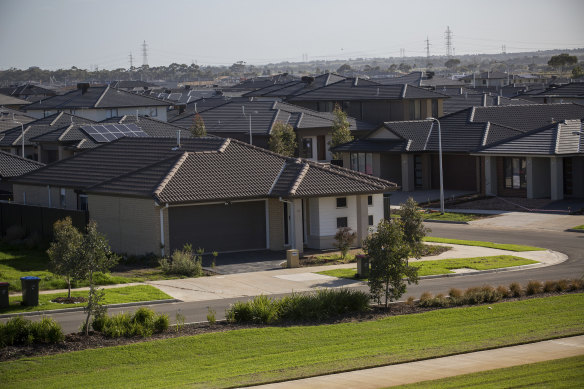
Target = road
(569,243)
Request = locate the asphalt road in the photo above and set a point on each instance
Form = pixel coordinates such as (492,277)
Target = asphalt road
(569,243)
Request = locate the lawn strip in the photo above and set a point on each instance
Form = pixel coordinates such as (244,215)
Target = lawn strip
(445,266)
(559,373)
(253,356)
(126,294)
(500,246)
(578,227)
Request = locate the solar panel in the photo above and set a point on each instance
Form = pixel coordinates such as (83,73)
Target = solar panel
(105,133)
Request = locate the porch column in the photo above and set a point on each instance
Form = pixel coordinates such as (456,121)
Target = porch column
(490,176)
(529,177)
(296,216)
(362,219)
(557,178)
(407,172)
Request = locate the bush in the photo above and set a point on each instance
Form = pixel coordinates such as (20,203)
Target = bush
(562,285)
(550,286)
(18,330)
(211,316)
(322,305)
(144,322)
(183,263)
(344,238)
(503,291)
(533,287)
(455,293)
(576,284)
(410,300)
(482,294)
(515,289)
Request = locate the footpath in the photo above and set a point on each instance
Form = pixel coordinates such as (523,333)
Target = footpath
(433,369)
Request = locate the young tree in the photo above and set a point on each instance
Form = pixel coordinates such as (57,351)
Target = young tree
(198,128)
(388,253)
(64,249)
(344,238)
(577,72)
(561,60)
(452,63)
(340,130)
(413,226)
(94,255)
(283,139)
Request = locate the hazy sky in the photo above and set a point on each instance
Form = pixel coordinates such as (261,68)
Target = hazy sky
(85,33)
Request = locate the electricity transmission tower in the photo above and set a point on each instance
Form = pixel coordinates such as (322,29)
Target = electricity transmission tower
(427,51)
(448,38)
(144,54)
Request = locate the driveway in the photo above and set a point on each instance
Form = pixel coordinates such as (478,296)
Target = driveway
(530,221)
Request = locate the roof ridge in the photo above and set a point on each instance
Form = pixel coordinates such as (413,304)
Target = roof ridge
(101,96)
(558,129)
(404,89)
(299,179)
(170,173)
(224,145)
(22,158)
(520,135)
(348,173)
(56,118)
(277,178)
(486,133)
(64,132)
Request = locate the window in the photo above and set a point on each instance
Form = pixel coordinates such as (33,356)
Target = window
(418,180)
(415,110)
(306,148)
(370,219)
(341,202)
(515,173)
(362,162)
(83,205)
(63,198)
(369,200)
(153,111)
(342,222)
(110,113)
(435,108)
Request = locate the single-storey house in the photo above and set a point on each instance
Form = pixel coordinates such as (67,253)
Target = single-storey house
(154,195)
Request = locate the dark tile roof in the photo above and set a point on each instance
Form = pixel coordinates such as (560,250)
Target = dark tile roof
(359,89)
(201,105)
(96,97)
(7,115)
(11,100)
(51,127)
(202,169)
(572,90)
(459,102)
(130,84)
(415,131)
(489,75)
(553,139)
(298,86)
(374,146)
(232,118)
(12,165)
(26,90)
(262,82)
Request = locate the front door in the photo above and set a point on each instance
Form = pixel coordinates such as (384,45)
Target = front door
(321,147)
(568,177)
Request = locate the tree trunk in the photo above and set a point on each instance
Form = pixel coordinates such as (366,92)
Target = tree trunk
(89,303)
(69,286)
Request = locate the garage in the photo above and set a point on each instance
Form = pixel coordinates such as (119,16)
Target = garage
(231,226)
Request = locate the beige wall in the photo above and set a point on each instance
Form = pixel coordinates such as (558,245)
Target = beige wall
(132,225)
(39,195)
(276,221)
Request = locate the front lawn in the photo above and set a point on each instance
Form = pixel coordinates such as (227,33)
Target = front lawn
(448,216)
(19,261)
(126,294)
(259,355)
(500,246)
(559,373)
(445,266)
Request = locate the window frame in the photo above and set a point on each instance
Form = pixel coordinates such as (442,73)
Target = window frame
(342,222)
(342,200)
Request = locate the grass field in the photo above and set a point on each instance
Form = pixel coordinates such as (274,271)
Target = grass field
(449,216)
(501,246)
(559,373)
(578,227)
(19,261)
(125,294)
(445,266)
(250,356)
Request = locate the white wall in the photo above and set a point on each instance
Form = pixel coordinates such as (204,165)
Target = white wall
(376,209)
(328,214)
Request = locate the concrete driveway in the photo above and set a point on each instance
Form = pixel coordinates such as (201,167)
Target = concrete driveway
(530,221)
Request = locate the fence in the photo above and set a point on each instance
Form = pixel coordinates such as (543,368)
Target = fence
(38,219)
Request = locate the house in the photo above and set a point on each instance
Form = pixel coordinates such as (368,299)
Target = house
(10,118)
(547,162)
(294,87)
(28,92)
(252,122)
(99,103)
(573,92)
(372,102)
(488,78)
(470,98)
(406,152)
(12,102)
(13,166)
(12,140)
(426,80)
(218,194)
(78,136)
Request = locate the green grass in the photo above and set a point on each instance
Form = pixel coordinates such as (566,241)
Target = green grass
(578,227)
(251,356)
(126,294)
(449,216)
(500,246)
(445,266)
(19,261)
(559,373)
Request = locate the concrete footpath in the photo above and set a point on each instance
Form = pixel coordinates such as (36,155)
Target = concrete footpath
(306,278)
(432,369)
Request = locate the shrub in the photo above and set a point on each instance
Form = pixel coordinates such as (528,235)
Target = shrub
(455,293)
(344,238)
(533,287)
(482,294)
(211,316)
(426,300)
(550,286)
(183,263)
(18,330)
(515,289)
(576,284)
(562,285)
(144,322)
(503,291)
(410,300)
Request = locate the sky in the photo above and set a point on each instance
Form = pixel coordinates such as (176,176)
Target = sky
(55,34)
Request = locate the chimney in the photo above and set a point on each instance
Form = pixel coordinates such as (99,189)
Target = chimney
(187,87)
(83,86)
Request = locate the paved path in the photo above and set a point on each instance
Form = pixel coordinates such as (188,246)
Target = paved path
(432,369)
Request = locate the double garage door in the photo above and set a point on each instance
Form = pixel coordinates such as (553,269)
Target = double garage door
(219,227)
